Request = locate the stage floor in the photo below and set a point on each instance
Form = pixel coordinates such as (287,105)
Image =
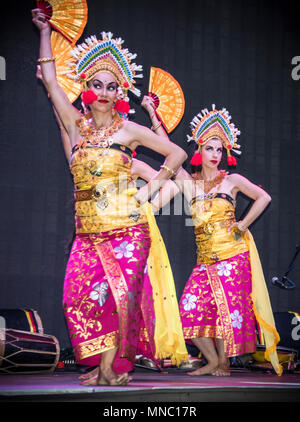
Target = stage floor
(151,386)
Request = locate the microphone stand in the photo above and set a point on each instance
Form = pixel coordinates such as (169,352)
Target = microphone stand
(285,282)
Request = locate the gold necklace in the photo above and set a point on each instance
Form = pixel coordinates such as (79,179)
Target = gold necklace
(102,137)
(210,184)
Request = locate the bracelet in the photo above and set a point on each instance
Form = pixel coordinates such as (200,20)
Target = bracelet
(172,172)
(46,59)
(156,127)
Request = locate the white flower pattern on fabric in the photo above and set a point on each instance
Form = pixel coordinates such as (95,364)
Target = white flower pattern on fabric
(202,267)
(224,268)
(237,319)
(189,302)
(125,249)
(100,292)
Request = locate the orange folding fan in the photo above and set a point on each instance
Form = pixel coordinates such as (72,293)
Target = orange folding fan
(168,97)
(61,49)
(68,17)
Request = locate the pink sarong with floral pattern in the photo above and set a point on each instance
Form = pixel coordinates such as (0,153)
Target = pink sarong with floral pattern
(107,300)
(216,301)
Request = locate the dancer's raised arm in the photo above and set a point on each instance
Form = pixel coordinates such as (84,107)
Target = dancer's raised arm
(68,114)
(157,125)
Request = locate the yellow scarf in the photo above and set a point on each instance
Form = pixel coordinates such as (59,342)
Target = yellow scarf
(262,306)
(169,340)
(168,335)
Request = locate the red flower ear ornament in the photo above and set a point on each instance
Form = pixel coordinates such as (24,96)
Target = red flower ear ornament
(88,97)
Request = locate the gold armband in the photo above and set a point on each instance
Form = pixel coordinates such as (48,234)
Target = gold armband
(46,59)
(156,127)
(172,172)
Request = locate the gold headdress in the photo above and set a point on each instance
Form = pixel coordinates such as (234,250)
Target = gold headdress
(107,55)
(214,124)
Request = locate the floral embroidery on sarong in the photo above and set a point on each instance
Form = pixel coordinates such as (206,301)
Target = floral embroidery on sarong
(237,319)
(125,249)
(216,302)
(224,268)
(100,293)
(189,302)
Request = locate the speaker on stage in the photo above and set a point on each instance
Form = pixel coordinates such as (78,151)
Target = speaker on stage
(24,348)
(288,327)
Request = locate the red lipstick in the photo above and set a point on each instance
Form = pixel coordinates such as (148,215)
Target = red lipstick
(214,161)
(103,101)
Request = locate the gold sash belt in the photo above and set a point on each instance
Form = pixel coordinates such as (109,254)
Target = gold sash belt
(87,194)
(209,228)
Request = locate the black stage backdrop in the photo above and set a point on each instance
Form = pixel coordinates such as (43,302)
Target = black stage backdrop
(234,53)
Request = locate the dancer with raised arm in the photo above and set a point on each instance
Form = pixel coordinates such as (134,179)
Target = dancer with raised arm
(103,298)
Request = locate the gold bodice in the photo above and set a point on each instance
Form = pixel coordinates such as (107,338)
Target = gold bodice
(212,218)
(101,177)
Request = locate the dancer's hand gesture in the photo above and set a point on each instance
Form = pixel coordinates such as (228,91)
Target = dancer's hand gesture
(39,19)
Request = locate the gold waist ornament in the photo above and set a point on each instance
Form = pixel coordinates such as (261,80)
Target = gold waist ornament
(99,210)
(215,242)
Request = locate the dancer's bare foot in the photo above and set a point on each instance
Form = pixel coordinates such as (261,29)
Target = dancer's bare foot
(221,372)
(89,374)
(206,369)
(223,369)
(95,380)
(107,377)
(112,378)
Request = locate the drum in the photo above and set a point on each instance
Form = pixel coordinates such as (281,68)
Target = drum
(22,319)
(23,352)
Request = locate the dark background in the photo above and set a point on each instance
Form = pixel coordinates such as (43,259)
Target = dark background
(234,53)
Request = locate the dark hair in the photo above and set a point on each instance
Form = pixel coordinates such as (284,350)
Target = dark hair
(195,169)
